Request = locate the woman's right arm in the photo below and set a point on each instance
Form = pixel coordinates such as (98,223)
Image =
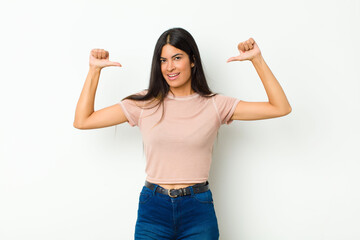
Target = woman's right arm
(85,116)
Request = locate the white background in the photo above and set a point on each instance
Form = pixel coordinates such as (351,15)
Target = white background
(289,178)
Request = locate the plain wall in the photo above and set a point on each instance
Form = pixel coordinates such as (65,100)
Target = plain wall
(294,177)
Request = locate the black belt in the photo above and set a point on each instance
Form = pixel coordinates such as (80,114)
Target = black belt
(197,188)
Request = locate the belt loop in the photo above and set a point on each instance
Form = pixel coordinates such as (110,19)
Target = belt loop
(192,191)
(155,186)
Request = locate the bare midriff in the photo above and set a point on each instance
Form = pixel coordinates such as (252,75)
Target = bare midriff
(175,186)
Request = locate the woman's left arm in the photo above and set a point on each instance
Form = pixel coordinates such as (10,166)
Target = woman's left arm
(277,105)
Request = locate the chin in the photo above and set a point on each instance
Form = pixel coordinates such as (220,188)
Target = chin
(175,85)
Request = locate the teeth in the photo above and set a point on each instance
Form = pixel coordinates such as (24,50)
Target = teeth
(173,75)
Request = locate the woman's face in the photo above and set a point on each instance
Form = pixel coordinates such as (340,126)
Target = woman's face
(176,67)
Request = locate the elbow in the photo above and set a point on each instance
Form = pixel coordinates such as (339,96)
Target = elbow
(287,111)
(282,111)
(78,125)
(290,109)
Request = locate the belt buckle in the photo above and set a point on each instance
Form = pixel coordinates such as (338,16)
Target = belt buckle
(169,193)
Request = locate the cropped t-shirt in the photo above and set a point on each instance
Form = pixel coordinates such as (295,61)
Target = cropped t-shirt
(178,149)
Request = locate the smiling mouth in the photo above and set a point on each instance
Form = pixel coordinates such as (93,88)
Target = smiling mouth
(173,76)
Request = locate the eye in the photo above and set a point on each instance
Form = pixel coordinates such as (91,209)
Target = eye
(177,58)
(162,60)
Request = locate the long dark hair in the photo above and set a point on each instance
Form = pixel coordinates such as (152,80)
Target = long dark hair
(158,87)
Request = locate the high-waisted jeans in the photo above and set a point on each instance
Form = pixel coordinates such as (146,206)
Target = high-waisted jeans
(190,217)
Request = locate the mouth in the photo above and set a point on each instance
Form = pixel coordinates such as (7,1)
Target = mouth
(173,76)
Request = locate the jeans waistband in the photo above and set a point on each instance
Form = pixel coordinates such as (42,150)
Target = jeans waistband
(197,188)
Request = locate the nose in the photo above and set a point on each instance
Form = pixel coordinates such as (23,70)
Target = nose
(170,66)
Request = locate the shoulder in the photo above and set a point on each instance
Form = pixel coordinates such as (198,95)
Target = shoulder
(219,97)
(142,92)
(224,101)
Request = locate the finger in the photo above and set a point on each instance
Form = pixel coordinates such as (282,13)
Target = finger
(232,59)
(252,43)
(246,46)
(251,46)
(103,54)
(93,53)
(97,54)
(116,64)
(241,47)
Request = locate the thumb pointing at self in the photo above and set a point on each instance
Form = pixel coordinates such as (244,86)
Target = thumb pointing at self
(100,58)
(115,64)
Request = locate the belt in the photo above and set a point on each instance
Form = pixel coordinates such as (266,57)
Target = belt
(197,188)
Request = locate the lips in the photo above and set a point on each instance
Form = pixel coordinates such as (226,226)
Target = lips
(173,76)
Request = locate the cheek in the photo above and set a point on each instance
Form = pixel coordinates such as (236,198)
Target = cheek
(162,68)
(184,67)
(187,68)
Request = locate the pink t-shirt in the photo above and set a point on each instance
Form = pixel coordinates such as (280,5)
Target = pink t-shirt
(179,148)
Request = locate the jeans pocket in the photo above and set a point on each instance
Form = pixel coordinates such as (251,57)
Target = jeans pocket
(204,197)
(145,196)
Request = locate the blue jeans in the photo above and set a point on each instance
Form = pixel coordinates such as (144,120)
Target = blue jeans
(187,217)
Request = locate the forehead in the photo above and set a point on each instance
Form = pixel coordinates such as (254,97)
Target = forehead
(169,51)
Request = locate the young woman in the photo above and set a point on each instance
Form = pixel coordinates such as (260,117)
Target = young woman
(179,117)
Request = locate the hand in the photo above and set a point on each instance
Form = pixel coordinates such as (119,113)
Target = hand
(99,58)
(248,51)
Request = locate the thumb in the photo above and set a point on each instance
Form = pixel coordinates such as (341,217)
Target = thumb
(115,64)
(232,59)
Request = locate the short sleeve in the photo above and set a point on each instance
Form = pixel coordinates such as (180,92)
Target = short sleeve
(132,110)
(225,107)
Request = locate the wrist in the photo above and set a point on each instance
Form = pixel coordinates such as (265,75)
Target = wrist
(94,69)
(257,59)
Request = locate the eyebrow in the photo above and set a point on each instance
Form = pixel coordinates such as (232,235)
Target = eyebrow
(172,56)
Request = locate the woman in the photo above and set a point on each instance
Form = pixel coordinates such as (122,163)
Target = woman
(179,117)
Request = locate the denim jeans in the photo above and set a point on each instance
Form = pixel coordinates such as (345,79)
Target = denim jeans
(190,217)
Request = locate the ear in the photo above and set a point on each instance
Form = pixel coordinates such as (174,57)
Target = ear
(193,63)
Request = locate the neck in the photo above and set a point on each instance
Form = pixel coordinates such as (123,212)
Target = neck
(182,92)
